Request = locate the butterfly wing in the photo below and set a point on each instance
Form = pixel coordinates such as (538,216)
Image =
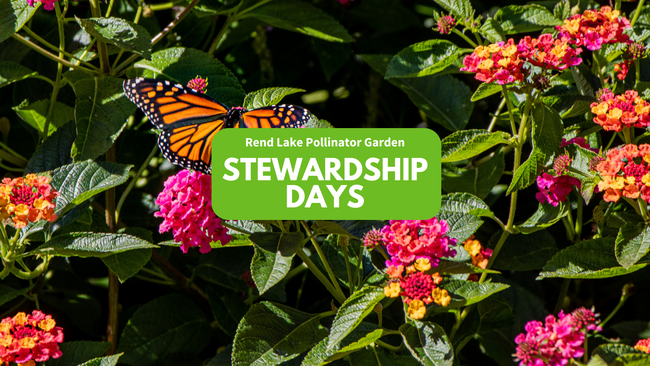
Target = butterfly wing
(170,105)
(190,146)
(275,116)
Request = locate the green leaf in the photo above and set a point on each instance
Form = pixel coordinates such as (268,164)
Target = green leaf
(297,16)
(125,265)
(632,243)
(123,33)
(78,352)
(101,112)
(642,359)
(54,152)
(35,113)
(273,255)
(545,216)
(422,59)
(228,308)
(158,329)
(580,75)
(455,209)
(90,245)
(329,227)
(80,181)
(443,98)
(495,313)
(8,293)
(498,346)
(524,252)
(184,64)
(491,29)
(633,329)
(525,18)
(588,259)
(266,97)
(13,15)
(465,144)
(465,293)
(547,137)
(610,352)
(217,272)
(449,267)
(485,90)
(10,72)
(332,56)
(352,312)
(562,9)
(460,8)
(428,343)
(103,361)
(270,334)
(362,336)
(478,181)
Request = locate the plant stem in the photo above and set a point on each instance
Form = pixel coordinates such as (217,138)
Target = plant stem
(347,266)
(560,299)
(496,114)
(59,71)
(113,283)
(56,49)
(639,7)
(134,180)
(104,64)
(217,40)
(388,346)
(47,54)
(110,7)
(467,39)
(618,307)
(321,277)
(321,255)
(512,117)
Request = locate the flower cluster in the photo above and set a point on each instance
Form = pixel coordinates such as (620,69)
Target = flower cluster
(186,207)
(28,199)
(480,256)
(555,189)
(47,4)
(643,345)
(613,112)
(594,28)
(409,240)
(634,51)
(500,62)
(199,84)
(446,24)
(372,239)
(28,338)
(418,288)
(625,172)
(556,341)
(549,53)
(580,141)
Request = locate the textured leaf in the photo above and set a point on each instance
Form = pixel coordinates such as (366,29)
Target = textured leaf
(362,336)
(103,361)
(158,329)
(460,8)
(524,252)
(183,64)
(465,293)
(455,209)
(78,352)
(491,29)
(10,72)
(422,59)
(101,111)
(580,75)
(125,265)
(228,308)
(13,15)
(8,293)
(443,98)
(428,343)
(303,18)
(270,334)
(449,267)
(269,96)
(123,33)
(90,245)
(588,259)
(545,216)
(525,18)
(562,9)
(80,181)
(485,90)
(610,352)
(495,313)
(273,255)
(465,144)
(547,137)
(478,181)
(54,152)
(632,243)
(329,227)
(352,312)
(35,113)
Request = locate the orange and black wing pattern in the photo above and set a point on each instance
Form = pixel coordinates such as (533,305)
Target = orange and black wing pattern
(275,116)
(170,105)
(190,146)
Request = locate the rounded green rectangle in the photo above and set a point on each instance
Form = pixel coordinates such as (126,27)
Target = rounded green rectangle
(340,174)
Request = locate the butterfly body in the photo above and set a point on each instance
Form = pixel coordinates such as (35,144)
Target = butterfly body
(189,120)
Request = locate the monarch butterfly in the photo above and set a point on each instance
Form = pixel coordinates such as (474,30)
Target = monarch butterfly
(189,120)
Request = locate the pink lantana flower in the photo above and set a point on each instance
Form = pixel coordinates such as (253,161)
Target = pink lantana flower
(408,240)
(47,4)
(555,189)
(549,53)
(29,338)
(186,207)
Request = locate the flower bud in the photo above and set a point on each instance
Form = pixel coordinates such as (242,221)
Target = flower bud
(446,24)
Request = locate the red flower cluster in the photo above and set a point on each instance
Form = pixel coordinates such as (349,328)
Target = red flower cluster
(555,189)
(198,84)
(47,4)
(614,112)
(580,141)
(593,29)
(28,199)
(417,288)
(408,240)
(373,238)
(556,341)
(500,62)
(625,173)
(28,338)
(549,53)
(643,345)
